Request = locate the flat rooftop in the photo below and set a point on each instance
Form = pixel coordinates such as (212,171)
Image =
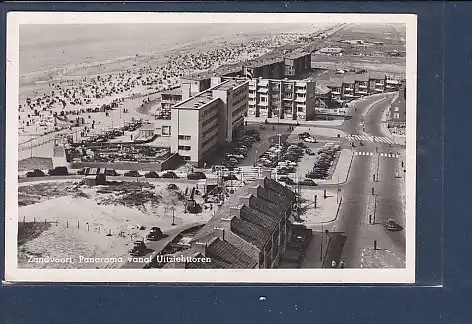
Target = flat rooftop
(196,102)
(228,84)
(263,61)
(174,92)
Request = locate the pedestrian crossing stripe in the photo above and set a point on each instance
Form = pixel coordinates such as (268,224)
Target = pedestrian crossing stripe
(363,153)
(389,155)
(375,139)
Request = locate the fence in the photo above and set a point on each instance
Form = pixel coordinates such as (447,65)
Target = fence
(84,226)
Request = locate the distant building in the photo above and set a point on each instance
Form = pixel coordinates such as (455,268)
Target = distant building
(251,230)
(296,63)
(201,123)
(351,86)
(267,68)
(170,98)
(398,110)
(331,50)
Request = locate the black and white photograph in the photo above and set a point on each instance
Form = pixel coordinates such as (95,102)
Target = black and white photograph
(197,147)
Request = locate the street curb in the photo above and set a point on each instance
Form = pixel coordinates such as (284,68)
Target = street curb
(337,213)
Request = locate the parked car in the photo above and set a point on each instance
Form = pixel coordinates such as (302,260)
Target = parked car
(132,173)
(307,182)
(309,152)
(196,176)
(286,180)
(139,249)
(170,175)
(229,177)
(58,171)
(151,174)
(310,140)
(391,225)
(155,234)
(82,171)
(303,135)
(111,172)
(35,173)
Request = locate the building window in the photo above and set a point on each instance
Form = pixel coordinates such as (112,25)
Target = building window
(185,137)
(397,109)
(300,109)
(396,116)
(165,130)
(184,148)
(185,157)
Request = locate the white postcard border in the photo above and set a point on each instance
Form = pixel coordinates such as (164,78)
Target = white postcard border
(14,274)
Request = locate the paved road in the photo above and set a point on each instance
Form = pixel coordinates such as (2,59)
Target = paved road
(353,220)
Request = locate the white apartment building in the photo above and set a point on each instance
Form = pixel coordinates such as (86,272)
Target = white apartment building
(281,99)
(211,118)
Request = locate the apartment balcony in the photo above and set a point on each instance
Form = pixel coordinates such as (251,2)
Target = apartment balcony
(300,99)
(364,86)
(336,92)
(379,84)
(349,89)
(263,103)
(301,91)
(252,95)
(251,112)
(288,98)
(378,90)
(262,90)
(362,92)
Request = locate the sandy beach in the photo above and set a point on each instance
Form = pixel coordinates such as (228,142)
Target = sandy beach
(96,89)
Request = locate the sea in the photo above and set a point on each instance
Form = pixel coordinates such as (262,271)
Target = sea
(47,47)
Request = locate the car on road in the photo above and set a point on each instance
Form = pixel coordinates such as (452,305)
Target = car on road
(155,234)
(132,173)
(170,175)
(310,140)
(152,174)
(58,171)
(196,176)
(303,135)
(391,225)
(286,180)
(35,173)
(307,182)
(139,249)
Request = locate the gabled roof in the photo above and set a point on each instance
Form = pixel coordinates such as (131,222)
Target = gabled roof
(259,213)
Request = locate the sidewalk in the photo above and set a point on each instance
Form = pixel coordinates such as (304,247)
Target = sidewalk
(324,123)
(326,208)
(397,139)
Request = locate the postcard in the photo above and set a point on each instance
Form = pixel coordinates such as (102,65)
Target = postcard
(210,147)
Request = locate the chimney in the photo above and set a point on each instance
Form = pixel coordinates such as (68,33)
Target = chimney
(253,190)
(200,248)
(260,182)
(226,224)
(235,211)
(267,173)
(220,233)
(244,200)
(185,91)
